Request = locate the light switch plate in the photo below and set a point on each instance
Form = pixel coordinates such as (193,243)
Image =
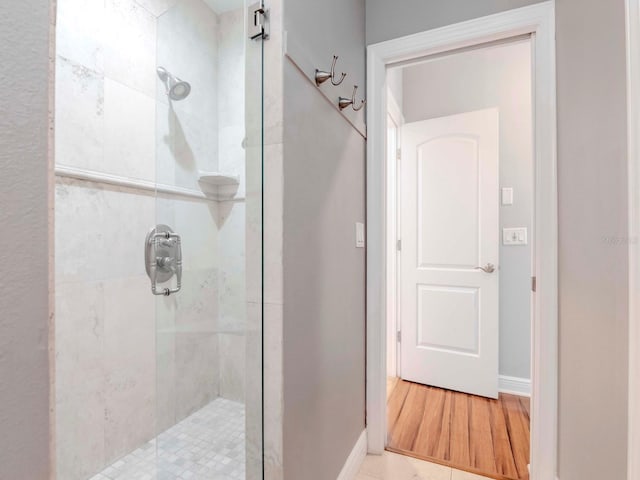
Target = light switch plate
(359,235)
(514,236)
(507,196)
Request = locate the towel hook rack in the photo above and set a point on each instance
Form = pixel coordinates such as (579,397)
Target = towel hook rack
(344,102)
(322,76)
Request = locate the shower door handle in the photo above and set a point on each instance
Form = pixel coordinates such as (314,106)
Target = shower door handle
(163,259)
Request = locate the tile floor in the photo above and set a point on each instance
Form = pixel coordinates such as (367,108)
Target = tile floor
(391,466)
(207,445)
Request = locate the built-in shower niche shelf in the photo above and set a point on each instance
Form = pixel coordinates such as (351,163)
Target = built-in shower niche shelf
(221,186)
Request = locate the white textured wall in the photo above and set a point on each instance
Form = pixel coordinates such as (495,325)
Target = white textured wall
(502,78)
(24,192)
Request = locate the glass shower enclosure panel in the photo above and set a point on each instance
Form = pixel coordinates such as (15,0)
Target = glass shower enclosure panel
(158,213)
(208,333)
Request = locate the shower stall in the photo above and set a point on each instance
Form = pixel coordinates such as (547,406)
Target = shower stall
(158,221)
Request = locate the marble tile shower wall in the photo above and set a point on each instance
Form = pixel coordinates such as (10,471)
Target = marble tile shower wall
(128,364)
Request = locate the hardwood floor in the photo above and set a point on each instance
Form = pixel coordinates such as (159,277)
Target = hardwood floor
(476,434)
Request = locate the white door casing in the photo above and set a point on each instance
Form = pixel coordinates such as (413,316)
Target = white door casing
(395,120)
(450,227)
(539,20)
(392,236)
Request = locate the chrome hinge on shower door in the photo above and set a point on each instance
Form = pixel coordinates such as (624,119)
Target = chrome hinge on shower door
(258,22)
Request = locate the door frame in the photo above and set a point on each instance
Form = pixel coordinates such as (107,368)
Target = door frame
(393,230)
(633,125)
(538,20)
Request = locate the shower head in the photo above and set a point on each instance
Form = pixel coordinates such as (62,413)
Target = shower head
(176,89)
(179,90)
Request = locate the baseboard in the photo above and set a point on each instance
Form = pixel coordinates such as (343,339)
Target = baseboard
(355,459)
(514,385)
(529,470)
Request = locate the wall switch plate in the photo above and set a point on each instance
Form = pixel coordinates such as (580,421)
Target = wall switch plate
(514,236)
(359,235)
(507,196)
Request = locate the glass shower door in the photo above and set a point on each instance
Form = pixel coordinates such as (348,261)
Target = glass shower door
(158,219)
(208,215)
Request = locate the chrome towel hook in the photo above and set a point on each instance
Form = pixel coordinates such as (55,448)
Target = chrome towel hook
(322,76)
(344,102)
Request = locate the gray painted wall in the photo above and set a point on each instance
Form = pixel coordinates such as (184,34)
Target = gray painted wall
(324,274)
(502,78)
(320,30)
(324,284)
(24,256)
(591,74)
(592,162)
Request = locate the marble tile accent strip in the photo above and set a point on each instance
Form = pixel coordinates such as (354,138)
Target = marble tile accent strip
(100,177)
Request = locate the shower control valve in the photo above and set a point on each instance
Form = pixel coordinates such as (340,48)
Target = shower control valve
(169,243)
(165,262)
(163,259)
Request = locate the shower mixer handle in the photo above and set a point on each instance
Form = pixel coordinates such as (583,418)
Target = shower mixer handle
(170,243)
(165,262)
(163,259)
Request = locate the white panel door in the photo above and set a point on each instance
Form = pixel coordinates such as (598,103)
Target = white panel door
(449,228)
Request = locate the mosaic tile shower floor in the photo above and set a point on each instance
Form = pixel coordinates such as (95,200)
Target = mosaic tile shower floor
(207,445)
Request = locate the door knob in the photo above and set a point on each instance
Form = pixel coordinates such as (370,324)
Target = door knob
(488,268)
